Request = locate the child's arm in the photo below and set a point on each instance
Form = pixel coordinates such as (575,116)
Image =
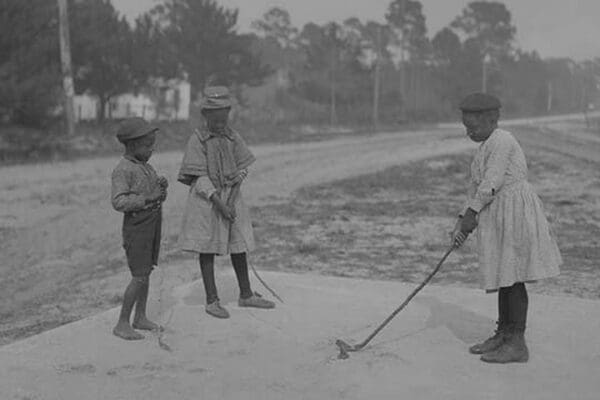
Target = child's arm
(496,165)
(164,184)
(227,211)
(123,199)
(204,187)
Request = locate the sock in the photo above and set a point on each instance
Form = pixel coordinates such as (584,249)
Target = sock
(503,306)
(207,267)
(240,265)
(518,304)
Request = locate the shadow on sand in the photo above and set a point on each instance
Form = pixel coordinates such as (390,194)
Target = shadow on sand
(467,326)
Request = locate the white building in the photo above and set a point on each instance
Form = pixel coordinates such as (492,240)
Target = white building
(162,101)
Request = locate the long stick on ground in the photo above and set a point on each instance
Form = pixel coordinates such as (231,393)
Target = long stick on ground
(230,199)
(345,347)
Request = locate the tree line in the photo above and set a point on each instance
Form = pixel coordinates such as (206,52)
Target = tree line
(186,39)
(349,72)
(396,70)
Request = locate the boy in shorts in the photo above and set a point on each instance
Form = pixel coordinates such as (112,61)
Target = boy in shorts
(138,192)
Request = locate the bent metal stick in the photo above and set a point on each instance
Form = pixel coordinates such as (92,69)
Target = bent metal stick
(345,348)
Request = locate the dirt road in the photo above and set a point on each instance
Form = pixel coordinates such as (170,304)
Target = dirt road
(61,256)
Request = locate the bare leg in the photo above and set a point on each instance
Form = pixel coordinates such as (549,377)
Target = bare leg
(140,321)
(123,329)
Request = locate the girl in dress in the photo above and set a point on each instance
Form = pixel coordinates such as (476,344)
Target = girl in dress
(515,244)
(216,219)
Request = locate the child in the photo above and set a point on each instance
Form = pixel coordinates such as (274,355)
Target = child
(216,219)
(514,240)
(138,193)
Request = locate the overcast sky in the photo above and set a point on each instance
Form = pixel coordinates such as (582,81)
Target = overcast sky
(554,28)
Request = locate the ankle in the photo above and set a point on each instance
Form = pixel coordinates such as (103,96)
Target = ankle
(246,295)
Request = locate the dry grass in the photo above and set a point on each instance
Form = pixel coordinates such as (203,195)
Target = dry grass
(395,224)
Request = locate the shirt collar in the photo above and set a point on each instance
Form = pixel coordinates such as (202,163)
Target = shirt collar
(132,159)
(206,134)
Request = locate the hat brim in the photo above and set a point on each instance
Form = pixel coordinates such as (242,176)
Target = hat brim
(209,103)
(478,110)
(138,134)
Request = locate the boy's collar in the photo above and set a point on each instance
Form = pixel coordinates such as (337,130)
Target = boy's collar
(204,134)
(132,159)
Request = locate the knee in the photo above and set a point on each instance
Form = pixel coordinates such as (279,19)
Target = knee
(206,260)
(204,257)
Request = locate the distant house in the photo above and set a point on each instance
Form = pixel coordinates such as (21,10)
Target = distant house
(163,100)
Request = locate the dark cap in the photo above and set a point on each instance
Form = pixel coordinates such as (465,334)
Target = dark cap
(133,128)
(477,102)
(216,97)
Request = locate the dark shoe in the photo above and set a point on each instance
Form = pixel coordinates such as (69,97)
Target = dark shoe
(491,343)
(216,310)
(513,349)
(255,301)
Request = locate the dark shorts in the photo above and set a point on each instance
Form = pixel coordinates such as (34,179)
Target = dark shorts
(141,240)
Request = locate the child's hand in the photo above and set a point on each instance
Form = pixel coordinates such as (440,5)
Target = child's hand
(163,182)
(240,176)
(227,212)
(155,196)
(163,194)
(468,223)
(459,239)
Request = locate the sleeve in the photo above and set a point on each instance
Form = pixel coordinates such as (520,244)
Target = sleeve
(204,187)
(496,165)
(470,195)
(122,198)
(194,162)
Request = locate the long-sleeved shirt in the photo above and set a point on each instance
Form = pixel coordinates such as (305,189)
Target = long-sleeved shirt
(498,164)
(133,182)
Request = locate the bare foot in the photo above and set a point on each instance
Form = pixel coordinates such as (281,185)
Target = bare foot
(146,325)
(125,331)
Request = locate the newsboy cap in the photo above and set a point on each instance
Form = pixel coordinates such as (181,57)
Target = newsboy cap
(133,128)
(215,97)
(477,102)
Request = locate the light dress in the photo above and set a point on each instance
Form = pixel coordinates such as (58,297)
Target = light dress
(209,164)
(515,242)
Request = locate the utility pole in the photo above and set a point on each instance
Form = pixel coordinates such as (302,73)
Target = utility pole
(334,56)
(332,107)
(65,58)
(402,64)
(377,79)
(484,74)
(549,99)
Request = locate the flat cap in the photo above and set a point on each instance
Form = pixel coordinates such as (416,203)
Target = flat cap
(476,102)
(133,128)
(215,97)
